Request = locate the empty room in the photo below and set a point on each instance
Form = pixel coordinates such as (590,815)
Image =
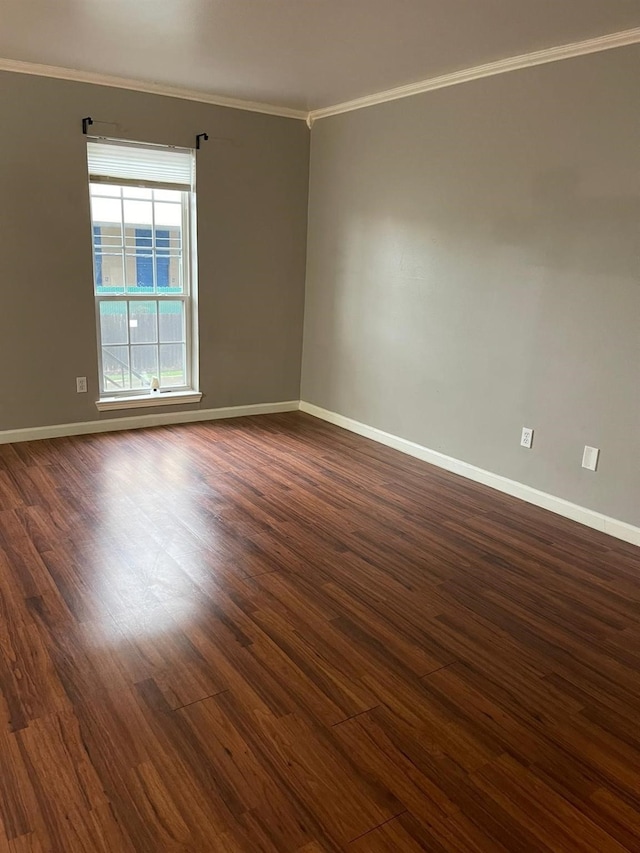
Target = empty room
(319,426)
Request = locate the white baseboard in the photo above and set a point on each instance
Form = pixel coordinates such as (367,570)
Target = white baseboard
(588,517)
(136,422)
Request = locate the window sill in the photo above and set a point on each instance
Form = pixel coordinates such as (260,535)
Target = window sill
(143,401)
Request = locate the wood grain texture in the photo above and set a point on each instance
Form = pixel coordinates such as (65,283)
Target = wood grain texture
(273,635)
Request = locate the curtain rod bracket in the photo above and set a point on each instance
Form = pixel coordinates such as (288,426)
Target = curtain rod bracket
(86,123)
(200,136)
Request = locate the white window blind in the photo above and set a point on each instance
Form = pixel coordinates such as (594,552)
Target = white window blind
(141,165)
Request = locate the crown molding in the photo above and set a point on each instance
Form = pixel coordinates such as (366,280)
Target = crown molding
(465,75)
(502,66)
(59,73)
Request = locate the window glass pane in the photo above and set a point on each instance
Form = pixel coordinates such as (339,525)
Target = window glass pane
(105,189)
(169,259)
(175,241)
(144,365)
(163,240)
(167,195)
(143,322)
(107,239)
(143,239)
(131,267)
(137,212)
(113,323)
(162,258)
(112,277)
(169,239)
(136,192)
(133,240)
(97,255)
(139,260)
(115,369)
(106,210)
(168,214)
(110,236)
(175,274)
(172,365)
(171,318)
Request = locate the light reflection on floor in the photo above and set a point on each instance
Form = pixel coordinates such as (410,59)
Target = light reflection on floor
(139,532)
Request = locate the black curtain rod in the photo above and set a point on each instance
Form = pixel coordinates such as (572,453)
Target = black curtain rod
(88,121)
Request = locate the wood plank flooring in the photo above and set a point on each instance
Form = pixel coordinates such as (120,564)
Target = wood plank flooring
(268,634)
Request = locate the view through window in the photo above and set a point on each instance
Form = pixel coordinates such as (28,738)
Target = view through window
(141,249)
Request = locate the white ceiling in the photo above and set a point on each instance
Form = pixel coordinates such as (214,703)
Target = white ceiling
(305,54)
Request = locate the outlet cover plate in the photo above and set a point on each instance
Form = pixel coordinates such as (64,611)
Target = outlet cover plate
(526,439)
(590,457)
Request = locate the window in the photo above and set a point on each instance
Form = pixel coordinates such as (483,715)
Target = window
(142,216)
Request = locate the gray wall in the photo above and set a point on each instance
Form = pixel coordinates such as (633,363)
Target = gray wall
(473,268)
(252,205)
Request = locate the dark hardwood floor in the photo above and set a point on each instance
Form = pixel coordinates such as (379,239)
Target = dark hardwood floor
(269,634)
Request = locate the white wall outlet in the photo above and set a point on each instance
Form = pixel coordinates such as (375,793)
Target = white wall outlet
(81,384)
(590,457)
(526,439)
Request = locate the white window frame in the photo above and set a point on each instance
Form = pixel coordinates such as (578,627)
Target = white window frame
(189,392)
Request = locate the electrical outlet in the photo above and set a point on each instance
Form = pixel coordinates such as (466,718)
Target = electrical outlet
(526,439)
(81,384)
(590,457)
